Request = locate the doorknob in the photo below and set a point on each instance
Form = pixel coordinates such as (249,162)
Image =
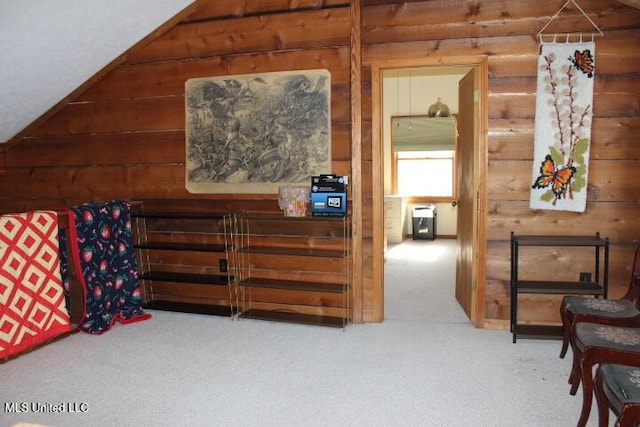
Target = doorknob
(455,203)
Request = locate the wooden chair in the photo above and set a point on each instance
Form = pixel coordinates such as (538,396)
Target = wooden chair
(617,388)
(594,343)
(620,312)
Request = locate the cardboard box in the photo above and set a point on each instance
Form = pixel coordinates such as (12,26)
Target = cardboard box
(329,195)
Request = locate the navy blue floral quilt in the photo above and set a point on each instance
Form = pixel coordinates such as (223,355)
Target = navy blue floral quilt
(103,253)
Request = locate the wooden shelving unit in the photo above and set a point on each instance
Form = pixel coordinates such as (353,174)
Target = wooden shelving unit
(184,260)
(294,269)
(597,286)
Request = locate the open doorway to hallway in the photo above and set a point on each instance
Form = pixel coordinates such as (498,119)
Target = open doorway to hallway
(471,172)
(419,275)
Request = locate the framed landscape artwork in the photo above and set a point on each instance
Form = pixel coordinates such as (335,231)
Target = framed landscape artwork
(253,133)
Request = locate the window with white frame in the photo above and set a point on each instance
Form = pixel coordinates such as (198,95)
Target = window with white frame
(425,173)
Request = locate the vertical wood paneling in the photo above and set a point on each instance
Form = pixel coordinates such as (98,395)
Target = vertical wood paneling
(356,161)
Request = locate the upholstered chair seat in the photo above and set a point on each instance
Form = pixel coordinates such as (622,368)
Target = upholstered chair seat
(594,343)
(618,388)
(598,335)
(619,312)
(601,307)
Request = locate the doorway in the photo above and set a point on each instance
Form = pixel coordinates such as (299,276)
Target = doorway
(470,255)
(419,157)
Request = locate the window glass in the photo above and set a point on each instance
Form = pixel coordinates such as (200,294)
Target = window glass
(425,173)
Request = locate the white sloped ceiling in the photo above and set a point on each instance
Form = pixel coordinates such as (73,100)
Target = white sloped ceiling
(50,48)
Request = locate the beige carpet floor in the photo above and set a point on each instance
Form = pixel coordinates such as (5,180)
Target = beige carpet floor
(425,365)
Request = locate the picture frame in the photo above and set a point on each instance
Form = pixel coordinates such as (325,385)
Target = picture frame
(253,133)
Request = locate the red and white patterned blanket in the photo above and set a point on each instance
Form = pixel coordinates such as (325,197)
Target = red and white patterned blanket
(32,304)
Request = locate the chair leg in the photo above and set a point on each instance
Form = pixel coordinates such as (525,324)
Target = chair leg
(566,331)
(574,377)
(587,392)
(601,400)
(575,385)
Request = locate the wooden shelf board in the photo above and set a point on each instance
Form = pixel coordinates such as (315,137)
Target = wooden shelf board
(195,247)
(295,251)
(204,279)
(177,215)
(550,287)
(275,217)
(185,307)
(291,317)
(539,332)
(550,240)
(294,285)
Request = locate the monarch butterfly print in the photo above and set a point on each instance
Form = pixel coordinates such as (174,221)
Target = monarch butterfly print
(583,61)
(557,178)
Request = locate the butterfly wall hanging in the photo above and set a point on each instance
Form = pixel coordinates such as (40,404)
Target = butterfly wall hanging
(564,110)
(562,134)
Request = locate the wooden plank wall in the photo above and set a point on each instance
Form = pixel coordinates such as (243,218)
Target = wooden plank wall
(505,32)
(124,136)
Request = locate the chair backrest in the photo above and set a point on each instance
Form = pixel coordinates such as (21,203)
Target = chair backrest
(634,283)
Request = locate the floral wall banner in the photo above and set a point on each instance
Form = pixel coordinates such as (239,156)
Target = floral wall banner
(256,132)
(562,138)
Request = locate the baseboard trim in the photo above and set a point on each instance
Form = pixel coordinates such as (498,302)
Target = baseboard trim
(438,236)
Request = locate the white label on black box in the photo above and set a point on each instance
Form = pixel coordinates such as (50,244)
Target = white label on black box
(334,202)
